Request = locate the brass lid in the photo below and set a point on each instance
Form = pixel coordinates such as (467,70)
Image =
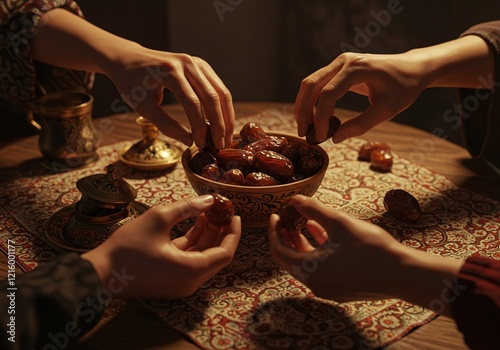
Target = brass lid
(107,189)
(150,153)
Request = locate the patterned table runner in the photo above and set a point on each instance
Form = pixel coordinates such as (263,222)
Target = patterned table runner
(253,303)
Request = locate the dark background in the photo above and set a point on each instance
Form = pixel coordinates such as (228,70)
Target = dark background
(262,49)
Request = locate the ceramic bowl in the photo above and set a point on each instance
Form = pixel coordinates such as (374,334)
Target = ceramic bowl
(256,203)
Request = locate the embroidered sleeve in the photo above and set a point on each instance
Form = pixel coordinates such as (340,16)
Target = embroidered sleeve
(21,78)
(476,309)
(55,304)
(480,109)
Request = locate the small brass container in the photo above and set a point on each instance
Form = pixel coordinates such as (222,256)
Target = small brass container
(151,153)
(107,203)
(68,138)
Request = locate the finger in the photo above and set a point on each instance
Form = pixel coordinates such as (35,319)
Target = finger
(209,238)
(361,89)
(285,255)
(309,92)
(152,111)
(300,242)
(332,221)
(186,208)
(317,231)
(210,100)
(190,101)
(232,235)
(335,89)
(226,102)
(220,256)
(374,115)
(191,238)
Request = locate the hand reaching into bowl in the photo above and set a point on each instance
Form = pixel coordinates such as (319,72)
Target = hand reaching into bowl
(392,82)
(140,75)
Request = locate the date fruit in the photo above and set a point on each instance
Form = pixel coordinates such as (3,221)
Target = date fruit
(308,166)
(233,158)
(237,143)
(366,149)
(402,205)
(273,163)
(290,218)
(233,177)
(209,142)
(381,159)
(221,212)
(293,152)
(252,132)
(201,159)
(260,179)
(211,172)
(296,177)
(271,143)
(333,125)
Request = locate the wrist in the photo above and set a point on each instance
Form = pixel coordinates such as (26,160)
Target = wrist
(456,63)
(424,64)
(427,279)
(101,264)
(118,57)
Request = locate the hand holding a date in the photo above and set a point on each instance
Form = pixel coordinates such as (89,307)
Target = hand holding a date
(158,266)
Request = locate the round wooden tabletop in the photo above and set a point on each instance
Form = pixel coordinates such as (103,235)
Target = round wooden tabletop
(126,326)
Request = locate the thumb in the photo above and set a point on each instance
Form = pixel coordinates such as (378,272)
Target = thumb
(359,125)
(186,208)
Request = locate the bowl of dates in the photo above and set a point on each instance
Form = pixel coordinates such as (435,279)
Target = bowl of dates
(257,172)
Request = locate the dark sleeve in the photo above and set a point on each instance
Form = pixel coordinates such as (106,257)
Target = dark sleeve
(56,303)
(476,309)
(480,108)
(22,78)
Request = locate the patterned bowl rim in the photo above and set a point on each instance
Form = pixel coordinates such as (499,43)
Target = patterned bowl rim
(191,151)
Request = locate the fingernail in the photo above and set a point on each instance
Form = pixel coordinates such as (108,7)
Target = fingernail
(186,140)
(339,137)
(206,199)
(222,142)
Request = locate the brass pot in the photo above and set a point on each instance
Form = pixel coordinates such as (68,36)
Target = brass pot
(68,138)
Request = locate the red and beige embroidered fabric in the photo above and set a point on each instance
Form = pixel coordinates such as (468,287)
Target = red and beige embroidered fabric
(253,303)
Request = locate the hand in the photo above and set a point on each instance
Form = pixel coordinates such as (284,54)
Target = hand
(141,74)
(356,259)
(156,266)
(391,82)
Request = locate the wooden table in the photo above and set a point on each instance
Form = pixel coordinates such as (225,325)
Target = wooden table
(127,326)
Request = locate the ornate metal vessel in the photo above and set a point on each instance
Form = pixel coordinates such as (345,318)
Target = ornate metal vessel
(107,203)
(151,153)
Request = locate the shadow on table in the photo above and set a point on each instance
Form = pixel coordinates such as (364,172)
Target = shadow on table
(303,323)
(131,327)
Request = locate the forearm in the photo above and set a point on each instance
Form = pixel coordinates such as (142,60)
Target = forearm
(427,279)
(68,41)
(465,62)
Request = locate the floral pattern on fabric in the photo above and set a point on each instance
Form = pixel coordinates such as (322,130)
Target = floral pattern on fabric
(252,303)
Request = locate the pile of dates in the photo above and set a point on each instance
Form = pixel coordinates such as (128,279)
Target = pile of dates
(257,159)
(378,154)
